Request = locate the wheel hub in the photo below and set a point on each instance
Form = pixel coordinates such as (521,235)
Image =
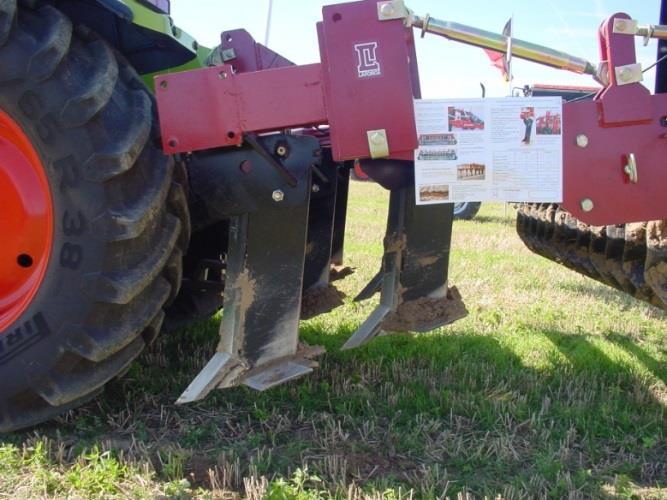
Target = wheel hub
(26,221)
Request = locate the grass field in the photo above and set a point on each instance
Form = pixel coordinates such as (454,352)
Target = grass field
(553,386)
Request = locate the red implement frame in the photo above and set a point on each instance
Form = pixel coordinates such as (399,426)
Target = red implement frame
(366,83)
(245,55)
(214,107)
(601,136)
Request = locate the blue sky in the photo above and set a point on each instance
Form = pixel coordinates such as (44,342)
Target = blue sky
(448,69)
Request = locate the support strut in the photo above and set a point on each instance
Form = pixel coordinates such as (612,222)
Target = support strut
(340,217)
(319,295)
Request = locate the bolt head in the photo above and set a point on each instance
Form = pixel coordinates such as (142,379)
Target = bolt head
(316,188)
(387,9)
(621,25)
(582,140)
(246,166)
(377,138)
(587,205)
(281,151)
(278,196)
(625,74)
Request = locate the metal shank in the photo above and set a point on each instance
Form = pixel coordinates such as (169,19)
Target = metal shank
(494,41)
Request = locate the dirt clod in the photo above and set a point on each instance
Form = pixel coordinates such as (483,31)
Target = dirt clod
(339,272)
(425,313)
(319,300)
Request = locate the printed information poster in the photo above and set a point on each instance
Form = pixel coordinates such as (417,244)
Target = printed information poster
(504,149)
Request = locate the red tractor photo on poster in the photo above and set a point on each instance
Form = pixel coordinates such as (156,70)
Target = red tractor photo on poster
(462,119)
(548,124)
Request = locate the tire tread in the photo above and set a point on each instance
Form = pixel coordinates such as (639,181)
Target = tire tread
(145,231)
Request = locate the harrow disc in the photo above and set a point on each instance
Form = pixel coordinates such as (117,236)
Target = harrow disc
(629,257)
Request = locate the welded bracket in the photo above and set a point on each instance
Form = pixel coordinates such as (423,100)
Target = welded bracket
(625,26)
(377,143)
(392,9)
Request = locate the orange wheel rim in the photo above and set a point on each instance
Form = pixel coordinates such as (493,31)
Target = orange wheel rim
(26,221)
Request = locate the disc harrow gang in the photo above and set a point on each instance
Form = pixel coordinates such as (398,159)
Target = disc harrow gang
(629,257)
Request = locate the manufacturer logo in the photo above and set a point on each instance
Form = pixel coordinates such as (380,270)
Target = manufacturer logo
(12,343)
(368,63)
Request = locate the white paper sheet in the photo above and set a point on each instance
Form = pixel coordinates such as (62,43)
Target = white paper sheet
(505,149)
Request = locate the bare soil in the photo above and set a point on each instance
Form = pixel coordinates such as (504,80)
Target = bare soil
(320,300)
(421,314)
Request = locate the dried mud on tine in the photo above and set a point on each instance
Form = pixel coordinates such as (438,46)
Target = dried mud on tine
(629,257)
(410,316)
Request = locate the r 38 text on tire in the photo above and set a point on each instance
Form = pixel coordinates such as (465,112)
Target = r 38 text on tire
(73,221)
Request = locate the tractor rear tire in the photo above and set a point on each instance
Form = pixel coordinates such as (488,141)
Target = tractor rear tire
(119,221)
(466,210)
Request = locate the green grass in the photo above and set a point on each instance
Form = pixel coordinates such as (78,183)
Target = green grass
(553,386)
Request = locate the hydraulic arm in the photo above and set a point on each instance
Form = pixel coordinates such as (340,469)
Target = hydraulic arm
(500,43)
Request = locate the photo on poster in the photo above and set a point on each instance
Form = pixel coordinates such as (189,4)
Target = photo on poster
(439,154)
(470,172)
(548,123)
(434,193)
(465,118)
(438,140)
(527,116)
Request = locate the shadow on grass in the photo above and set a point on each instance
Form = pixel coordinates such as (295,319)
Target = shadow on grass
(597,290)
(510,220)
(625,396)
(397,412)
(658,369)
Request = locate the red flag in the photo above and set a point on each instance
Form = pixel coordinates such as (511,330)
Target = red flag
(499,59)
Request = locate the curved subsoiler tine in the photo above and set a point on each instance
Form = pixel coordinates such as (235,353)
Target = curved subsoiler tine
(413,282)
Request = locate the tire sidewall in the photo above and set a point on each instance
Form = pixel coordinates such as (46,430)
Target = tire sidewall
(32,344)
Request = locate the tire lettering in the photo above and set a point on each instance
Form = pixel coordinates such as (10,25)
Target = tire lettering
(71,256)
(70,177)
(22,337)
(74,225)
